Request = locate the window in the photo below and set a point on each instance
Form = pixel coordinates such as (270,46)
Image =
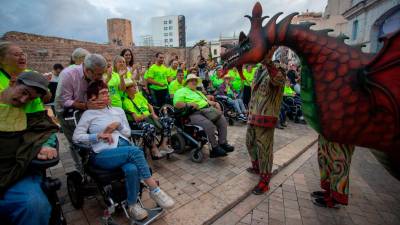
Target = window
(170,40)
(165,40)
(355,30)
(215,51)
(170,27)
(165,22)
(165,28)
(170,21)
(165,34)
(170,33)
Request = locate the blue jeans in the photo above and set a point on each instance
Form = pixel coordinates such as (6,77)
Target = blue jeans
(237,104)
(131,160)
(25,203)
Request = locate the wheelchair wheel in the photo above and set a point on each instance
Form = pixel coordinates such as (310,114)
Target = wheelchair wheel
(74,186)
(197,155)
(178,143)
(231,122)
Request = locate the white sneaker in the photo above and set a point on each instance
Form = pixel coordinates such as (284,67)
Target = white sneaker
(167,150)
(162,199)
(137,212)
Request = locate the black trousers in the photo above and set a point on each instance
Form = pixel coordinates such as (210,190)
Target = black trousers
(246,95)
(160,97)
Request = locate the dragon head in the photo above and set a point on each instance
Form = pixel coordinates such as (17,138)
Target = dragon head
(252,47)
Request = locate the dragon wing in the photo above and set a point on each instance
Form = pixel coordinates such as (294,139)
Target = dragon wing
(382,77)
(389,55)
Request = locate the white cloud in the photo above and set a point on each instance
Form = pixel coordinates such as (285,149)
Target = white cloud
(86,19)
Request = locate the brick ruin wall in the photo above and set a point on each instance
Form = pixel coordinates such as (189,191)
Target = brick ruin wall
(43,51)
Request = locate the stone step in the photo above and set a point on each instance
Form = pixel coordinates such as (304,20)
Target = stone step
(212,205)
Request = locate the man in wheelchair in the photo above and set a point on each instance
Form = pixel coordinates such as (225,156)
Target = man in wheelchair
(141,115)
(107,131)
(24,138)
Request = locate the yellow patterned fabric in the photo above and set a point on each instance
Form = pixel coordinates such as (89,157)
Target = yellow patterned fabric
(12,118)
(267,94)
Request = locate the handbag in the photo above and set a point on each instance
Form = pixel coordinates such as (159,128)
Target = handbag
(211,113)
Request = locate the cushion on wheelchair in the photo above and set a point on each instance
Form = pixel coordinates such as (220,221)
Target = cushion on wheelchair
(104,176)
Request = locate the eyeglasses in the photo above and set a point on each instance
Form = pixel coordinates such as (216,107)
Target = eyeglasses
(19,55)
(103,92)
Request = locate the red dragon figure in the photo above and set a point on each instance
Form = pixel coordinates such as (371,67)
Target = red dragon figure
(349,97)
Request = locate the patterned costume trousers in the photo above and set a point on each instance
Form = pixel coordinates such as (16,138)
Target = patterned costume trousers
(259,142)
(334,164)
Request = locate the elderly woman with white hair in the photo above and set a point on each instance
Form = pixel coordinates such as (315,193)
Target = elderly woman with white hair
(78,55)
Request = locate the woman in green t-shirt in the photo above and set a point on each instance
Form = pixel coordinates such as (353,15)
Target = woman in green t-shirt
(116,81)
(141,114)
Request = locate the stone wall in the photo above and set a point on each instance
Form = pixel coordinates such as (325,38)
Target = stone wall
(44,51)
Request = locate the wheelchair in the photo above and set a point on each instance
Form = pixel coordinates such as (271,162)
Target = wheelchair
(229,111)
(110,184)
(50,186)
(186,137)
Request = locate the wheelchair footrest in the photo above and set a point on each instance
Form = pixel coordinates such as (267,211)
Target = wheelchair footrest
(154,214)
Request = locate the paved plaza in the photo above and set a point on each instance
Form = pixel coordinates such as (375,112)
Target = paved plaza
(374,197)
(191,184)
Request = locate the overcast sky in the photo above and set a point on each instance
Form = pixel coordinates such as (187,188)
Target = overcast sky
(86,19)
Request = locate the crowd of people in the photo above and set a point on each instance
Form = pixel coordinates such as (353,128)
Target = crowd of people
(109,98)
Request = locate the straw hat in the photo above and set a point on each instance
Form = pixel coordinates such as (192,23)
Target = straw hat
(192,77)
(129,82)
(227,76)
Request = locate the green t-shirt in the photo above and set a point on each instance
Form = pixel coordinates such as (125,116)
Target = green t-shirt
(31,107)
(115,92)
(174,86)
(186,95)
(237,81)
(4,80)
(288,91)
(141,103)
(159,74)
(216,81)
(229,92)
(249,76)
(172,73)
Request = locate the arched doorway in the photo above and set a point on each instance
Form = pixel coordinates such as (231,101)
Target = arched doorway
(389,22)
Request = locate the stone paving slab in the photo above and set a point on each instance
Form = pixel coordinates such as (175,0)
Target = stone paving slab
(373,199)
(202,191)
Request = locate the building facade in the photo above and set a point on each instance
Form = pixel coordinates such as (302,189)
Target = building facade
(120,32)
(147,40)
(216,49)
(169,31)
(368,20)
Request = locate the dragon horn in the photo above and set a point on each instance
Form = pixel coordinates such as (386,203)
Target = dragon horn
(270,28)
(325,31)
(242,36)
(257,10)
(264,17)
(247,16)
(284,24)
